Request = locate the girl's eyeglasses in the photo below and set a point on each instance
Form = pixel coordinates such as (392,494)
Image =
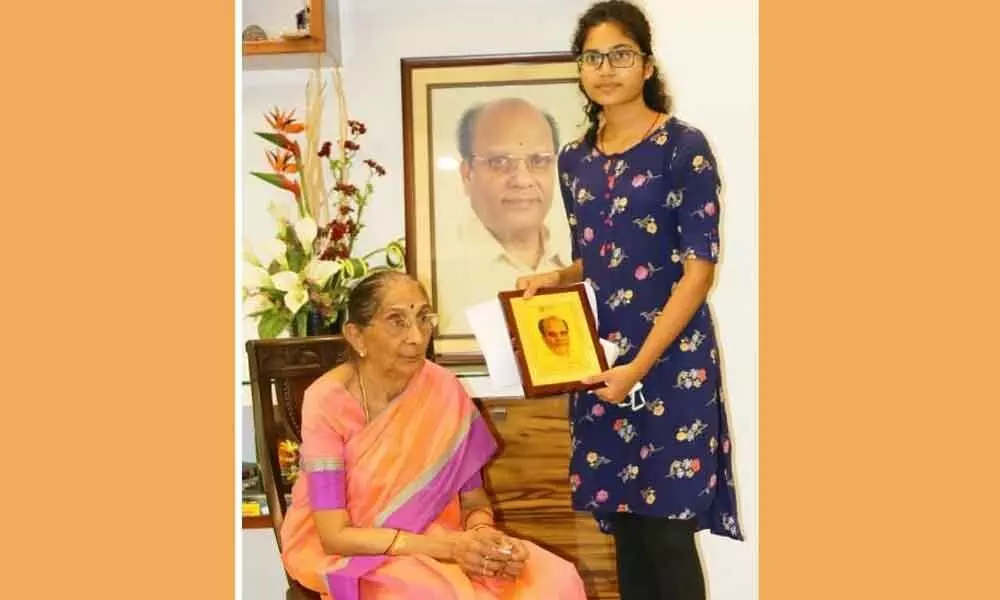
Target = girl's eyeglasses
(619,58)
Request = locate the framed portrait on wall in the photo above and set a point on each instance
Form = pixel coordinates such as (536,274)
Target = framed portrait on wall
(481,137)
(554,337)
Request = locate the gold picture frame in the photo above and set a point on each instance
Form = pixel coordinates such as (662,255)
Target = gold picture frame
(555,341)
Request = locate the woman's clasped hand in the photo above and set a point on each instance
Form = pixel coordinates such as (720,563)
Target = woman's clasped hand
(486,552)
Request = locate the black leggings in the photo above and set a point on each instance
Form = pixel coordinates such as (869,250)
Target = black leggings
(657,559)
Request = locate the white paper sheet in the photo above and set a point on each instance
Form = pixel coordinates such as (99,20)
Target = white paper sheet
(490,328)
(484,387)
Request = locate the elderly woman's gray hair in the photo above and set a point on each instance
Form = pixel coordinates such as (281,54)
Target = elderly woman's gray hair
(366,297)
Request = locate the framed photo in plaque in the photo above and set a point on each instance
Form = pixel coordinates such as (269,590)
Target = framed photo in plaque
(554,337)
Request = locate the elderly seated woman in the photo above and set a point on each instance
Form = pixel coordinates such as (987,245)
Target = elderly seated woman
(390,503)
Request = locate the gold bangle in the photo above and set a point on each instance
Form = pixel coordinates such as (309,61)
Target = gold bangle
(395,538)
(488,511)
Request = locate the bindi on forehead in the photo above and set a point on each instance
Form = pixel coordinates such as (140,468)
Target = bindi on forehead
(412,307)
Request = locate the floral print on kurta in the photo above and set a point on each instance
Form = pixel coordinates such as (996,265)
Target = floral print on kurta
(635,218)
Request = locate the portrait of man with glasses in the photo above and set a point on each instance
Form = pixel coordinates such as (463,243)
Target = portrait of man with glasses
(508,149)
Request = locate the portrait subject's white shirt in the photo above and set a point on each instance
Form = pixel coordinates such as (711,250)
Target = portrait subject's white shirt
(478,267)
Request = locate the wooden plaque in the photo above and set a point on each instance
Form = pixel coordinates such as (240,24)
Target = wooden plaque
(554,336)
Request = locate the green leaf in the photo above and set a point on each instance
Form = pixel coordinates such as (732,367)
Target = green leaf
(297,259)
(272,323)
(271,178)
(301,318)
(277,139)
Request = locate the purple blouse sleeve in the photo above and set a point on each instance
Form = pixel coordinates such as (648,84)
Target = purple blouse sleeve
(322,455)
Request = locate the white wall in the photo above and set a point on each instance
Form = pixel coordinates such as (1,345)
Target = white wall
(263,576)
(709,54)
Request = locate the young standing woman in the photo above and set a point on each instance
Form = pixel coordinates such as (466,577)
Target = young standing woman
(641,190)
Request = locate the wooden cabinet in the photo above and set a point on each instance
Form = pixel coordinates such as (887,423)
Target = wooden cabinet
(529,482)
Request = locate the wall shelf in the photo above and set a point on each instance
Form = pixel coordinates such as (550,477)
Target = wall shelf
(257,522)
(314,44)
(302,46)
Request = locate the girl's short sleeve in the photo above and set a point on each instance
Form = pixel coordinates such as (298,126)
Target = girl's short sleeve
(697,190)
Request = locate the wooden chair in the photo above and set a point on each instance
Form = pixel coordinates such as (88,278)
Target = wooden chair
(280,372)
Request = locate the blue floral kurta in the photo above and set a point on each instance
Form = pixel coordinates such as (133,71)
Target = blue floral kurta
(635,217)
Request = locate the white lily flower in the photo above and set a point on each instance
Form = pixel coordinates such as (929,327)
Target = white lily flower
(286,281)
(306,230)
(255,277)
(272,250)
(320,271)
(248,255)
(296,298)
(257,304)
(279,211)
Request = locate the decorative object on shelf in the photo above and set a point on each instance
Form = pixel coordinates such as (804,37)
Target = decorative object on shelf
(251,476)
(302,19)
(288,459)
(298,281)
(302,29)
(254,33)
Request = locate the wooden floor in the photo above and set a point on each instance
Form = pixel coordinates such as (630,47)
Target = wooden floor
(529,482)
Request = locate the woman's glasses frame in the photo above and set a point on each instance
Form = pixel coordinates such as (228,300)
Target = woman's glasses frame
(618,58)
(397,324)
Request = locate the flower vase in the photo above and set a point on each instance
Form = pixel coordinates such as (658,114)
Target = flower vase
(315,326)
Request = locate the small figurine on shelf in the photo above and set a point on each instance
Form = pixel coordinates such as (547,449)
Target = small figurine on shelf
(302,19)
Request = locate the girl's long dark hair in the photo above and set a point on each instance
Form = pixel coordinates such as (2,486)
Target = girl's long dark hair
(635,25)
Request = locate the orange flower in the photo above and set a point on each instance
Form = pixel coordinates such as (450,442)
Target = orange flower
(281,162)
(284,122)
(290,185)
(282,141)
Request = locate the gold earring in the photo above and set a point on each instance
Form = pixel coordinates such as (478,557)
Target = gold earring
(362,353)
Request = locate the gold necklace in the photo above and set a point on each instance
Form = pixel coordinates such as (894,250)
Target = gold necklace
(364,396)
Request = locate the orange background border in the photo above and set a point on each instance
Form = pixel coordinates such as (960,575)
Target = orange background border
(120,296)
(877,402)
(877,353)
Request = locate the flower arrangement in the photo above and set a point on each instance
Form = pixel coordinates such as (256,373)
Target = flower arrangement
(298,281)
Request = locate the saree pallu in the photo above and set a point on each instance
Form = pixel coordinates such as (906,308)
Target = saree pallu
(404,470)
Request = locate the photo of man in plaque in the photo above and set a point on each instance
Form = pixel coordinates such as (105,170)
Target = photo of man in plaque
(555,334)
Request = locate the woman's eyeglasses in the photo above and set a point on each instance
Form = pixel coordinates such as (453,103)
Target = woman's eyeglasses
(398,324)
(619,58)
(505,163)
